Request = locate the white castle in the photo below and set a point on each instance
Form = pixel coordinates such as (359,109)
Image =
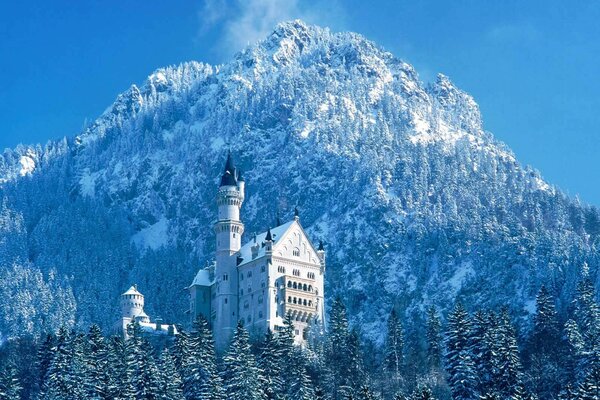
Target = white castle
(277,273)
(132,309)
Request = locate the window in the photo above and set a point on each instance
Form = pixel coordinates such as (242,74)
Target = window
(241,292)
(262,268)
(304,302)
(289,299)
(260,299)
(246,305)
(310,288)
(260,314)
(263,284)
(289,284)
(225,277)
(225,300)
(296,272)
(295,285)
(234,235)
(304,287)
(311,275)
(281,269)
(296,252)
(242,276)
(297,332)
(249,274)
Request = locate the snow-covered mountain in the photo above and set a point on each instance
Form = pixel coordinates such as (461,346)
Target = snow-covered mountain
(416,202)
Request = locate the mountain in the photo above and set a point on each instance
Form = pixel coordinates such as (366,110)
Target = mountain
(417,204)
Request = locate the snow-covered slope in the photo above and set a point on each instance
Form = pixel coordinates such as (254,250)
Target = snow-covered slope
(416,203)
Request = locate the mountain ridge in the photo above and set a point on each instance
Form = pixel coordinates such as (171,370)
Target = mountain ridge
(417,203)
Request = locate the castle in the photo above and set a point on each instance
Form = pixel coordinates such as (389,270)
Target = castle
(277,273)
(132,309)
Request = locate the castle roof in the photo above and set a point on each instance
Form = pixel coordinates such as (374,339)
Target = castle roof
(276,233)
(202,278)
(229,177)
(132,290)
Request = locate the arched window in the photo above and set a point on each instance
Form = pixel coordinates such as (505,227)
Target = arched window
(295,285)
(295,300)
(262,268)
(260,314)
(304,287)
(260,299)
(249,274)
(304,302)
(296,252)
(289,299)
(310,303)
(310,288)
(225,277)
(289,284)
(241,292)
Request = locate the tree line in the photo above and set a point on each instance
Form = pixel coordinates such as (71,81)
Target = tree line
(470,356)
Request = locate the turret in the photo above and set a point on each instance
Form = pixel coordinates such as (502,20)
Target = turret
(321,254)
(228,229)
(132,305)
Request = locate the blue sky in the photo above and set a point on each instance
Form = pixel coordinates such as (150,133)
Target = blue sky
(533,66)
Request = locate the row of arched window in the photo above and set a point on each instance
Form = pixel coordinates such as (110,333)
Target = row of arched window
(299,286)
(300,302)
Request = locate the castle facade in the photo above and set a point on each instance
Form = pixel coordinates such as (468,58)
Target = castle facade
(276,273)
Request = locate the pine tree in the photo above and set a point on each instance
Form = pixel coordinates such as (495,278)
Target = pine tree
(422,392)
(482,342)
(365,393)
(117,386)
(141,365)
(394,356)
(269,364)
(241,375)
(300,387)
(95,365)
(459,363)
(44,358)
(170,383)
(507,375)
(57,383)
(199,364)
(434,339)
(10,386)
(546,348)
(342,355)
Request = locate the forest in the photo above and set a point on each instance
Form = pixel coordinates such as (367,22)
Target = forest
(463,356)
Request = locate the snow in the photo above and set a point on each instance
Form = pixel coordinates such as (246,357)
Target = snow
(277,232)
(88,183)
(153,237)
(460,276)
(27,165)
(202,278)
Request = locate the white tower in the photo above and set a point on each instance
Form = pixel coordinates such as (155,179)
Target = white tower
(229,230)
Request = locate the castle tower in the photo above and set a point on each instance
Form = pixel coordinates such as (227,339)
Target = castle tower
(228,230)
(132,305)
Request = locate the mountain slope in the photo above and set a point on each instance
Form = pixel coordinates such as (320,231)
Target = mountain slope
(416,203)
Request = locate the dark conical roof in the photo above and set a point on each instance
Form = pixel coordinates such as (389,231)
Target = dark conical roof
(321,248)
(268,238)
(229,174)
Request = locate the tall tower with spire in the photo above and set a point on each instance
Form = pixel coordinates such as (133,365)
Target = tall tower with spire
(228,229)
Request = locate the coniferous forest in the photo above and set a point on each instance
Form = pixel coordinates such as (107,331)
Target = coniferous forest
(463,355)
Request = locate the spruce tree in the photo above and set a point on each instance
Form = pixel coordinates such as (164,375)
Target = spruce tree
(170,383)
(118,386)
(241,376)
(459,362)
(434,339)
(95,365)
(269,363)
(394,352)
(546,348)
(508,371)
(57,382)
(199,364)
(10,385)
(300,387)
(142,371)
(422,392)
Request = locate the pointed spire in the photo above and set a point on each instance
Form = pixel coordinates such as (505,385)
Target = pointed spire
(296,214)
(321,248)
(268,238)
(228,178)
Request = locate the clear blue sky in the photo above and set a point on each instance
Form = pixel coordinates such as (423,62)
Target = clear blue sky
(533,66)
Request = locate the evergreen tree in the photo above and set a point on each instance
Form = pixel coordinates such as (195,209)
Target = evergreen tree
(57,382)
(300,387)
(142,371)
(44,358)
(507,364)
(422,392)
(394,356)
(459,363)
(241,375)
(95,369)
(269,363)
(10,386)
(118,386)
(434,339)
(170,383)
(545,350)
(342,355)
(199,364)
